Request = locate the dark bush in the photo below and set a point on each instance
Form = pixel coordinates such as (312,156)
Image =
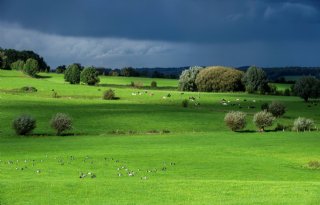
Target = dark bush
(61,122)
(24,124)
(153,84)
(264,106)
(277,109)
(235,120)
(109,95)
(219,79)
(185,103)
(89,76)
(29,89)
(72,74)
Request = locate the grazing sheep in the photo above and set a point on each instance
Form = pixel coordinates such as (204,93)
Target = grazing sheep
(224,104)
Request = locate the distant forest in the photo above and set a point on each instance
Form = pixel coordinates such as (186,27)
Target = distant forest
(275,74)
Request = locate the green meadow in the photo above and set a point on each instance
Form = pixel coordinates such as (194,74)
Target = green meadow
(178,155)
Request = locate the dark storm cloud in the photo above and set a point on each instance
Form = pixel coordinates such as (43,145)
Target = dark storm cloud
(204,21)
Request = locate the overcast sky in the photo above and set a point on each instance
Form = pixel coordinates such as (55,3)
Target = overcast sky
(150,33)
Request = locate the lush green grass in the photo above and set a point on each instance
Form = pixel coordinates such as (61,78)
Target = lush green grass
(281,86)
(199,162)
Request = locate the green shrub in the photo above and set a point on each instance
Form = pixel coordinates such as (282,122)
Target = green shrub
(31,67)
(277,109)
(29,89)
(235,120)
(187,79)
(109,95)
(303,124)
(263,119)
(89,76)
(185,103)
(265,106)
(72,74)
(24,124)
(219,79)
(314,164)
(61,122)
(153,84)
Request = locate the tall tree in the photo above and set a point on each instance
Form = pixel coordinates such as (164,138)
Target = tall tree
(307,87)
(72,74)
(255,79)
(31,67)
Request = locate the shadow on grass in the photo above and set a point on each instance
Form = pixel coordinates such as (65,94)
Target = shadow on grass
(43,76)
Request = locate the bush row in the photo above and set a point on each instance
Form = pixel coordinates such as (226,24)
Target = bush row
(25,124)
(236,121)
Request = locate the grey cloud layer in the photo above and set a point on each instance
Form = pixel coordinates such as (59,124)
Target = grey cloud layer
(204,21)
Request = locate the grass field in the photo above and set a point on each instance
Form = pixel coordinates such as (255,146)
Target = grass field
(178,155)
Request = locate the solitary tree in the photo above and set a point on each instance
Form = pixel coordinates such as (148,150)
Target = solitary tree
(307,87)
(72,74)
(31,67)
(255,79)
(263,119)
(89,76)
(187,80)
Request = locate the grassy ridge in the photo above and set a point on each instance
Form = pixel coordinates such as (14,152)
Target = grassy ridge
(204,162)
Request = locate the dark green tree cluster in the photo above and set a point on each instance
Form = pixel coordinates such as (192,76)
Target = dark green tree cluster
(307,87)
(255,80)
(89,76)
(219,79)
(74,74)
(9,56)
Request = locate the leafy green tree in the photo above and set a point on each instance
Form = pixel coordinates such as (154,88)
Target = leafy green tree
(187,80)
(219,79)
(255,80)
(18,65)
(89,76)
(307,87)
(31,67)
(72,74)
